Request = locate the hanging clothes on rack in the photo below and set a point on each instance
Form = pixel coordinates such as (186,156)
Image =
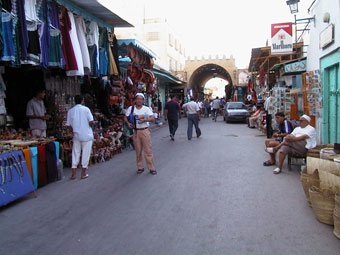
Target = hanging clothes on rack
(55,51)
(18,9)
(103,62)
(65,27)
(113,70)
(93,45)
(33,49)
(44,31)
(7,5)
(30,10)
(81,30)
(114,48)
(6,34)
(76,49)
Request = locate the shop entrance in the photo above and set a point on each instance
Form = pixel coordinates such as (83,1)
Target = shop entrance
(207,72)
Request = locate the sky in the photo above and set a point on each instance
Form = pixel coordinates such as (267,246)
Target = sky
(215,27)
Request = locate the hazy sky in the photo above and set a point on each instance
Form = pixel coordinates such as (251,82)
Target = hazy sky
(225,26)
(216,26)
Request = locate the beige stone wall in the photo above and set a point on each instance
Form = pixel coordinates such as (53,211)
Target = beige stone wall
(227,63)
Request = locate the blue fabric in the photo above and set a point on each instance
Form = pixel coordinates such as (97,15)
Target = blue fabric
(103,62)
(7,36)
(34,155)
(57,149)
(15,187)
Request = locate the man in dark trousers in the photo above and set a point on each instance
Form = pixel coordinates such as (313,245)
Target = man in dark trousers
(172,111)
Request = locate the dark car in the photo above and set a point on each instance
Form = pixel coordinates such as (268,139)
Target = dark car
(235,111)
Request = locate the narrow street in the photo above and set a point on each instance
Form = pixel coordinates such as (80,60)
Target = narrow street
(211,196)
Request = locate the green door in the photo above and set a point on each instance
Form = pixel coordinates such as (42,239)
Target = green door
(332,104)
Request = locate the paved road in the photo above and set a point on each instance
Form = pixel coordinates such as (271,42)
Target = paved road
(211,196)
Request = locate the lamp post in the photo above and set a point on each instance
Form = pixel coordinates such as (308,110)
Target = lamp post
(293,6)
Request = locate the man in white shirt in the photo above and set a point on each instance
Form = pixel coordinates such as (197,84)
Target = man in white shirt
(298,142)
(193,113)
(142,115)
(216,107)
(80,120)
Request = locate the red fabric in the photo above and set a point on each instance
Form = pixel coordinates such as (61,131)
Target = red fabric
(256,113)
(249,86)
(261,76)
(42,174)
(65,27)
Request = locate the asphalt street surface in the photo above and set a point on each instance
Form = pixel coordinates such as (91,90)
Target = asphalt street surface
(211,196)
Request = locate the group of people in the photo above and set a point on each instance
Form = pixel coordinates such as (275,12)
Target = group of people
(289,140)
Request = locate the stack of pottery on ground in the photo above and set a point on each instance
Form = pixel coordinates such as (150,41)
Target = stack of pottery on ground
(321,184)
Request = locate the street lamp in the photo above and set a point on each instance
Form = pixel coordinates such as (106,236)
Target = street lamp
(293,6)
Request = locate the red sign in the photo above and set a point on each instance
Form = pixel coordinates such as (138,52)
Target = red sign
(282,36)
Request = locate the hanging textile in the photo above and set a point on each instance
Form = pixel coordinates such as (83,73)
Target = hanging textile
(55,54)
(42,174)
(113,70)
(34,157)
(114,49)
(93,40)
(76,49)
(44,31)
(93,59)
(51,162)
(28,159)
(57,149)
(30,11)
(7,5)
(19,10)
(6,34)
(1,40)
(103,62)
(53,13)
(33,48)
(65,27)
(81,30)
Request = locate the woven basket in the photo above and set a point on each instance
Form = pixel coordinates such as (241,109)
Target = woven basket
(308,181)
(322,204)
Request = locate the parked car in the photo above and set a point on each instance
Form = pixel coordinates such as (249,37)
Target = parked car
(235,111)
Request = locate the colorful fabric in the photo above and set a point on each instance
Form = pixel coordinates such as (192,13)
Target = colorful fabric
(6,34)
(51,162)
(57,149)
(103,62)
(42,173)
(55,53)
(28,159)
(34,160)
(93,58)
(65,28)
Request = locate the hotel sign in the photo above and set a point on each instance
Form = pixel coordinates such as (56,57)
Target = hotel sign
(282,39)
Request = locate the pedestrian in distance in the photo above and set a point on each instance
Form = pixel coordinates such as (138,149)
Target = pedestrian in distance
(172,111)
(80,120)
(215,107)
(141,115)
(193,113)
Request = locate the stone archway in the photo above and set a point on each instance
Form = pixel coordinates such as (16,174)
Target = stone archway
(206,72)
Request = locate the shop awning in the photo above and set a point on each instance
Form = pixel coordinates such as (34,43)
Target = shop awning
(123,47)
(292,67)
(92,10)
(166,76)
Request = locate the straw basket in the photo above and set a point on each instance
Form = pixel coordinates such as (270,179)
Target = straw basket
(336,215)
(308,181)
(322,204)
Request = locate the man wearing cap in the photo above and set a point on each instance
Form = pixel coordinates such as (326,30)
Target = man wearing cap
(141,136)
(298,142)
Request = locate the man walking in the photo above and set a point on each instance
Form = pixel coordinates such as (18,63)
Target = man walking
(215,107)
(193,113)
(80,120)
(142,115)
(172,111)
(36,113)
